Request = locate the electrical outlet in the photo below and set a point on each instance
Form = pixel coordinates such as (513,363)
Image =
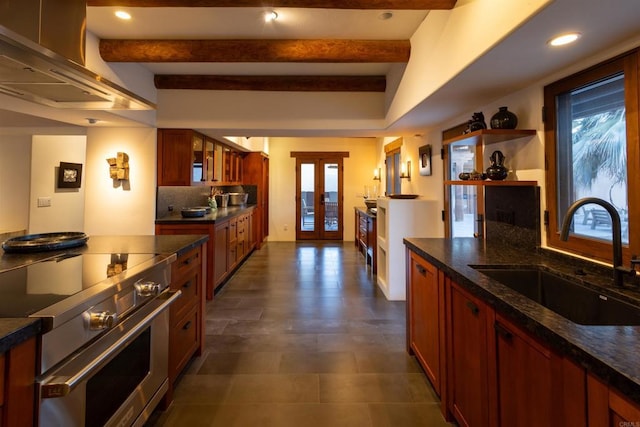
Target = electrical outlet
(286,227)
(170,208)
(44,202)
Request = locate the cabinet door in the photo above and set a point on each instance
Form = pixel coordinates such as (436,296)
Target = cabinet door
(221,244)
(175,157)
(468,368)
(424,319)
(198,164)
(525,378)
(608,408)
(208,162)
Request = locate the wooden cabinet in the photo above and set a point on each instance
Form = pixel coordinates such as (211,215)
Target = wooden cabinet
(425,305)
(17,385)
(609,408)
(489,371)
(232,244)
(464,200)
(221,261)
(255,171)
(187,157)
(469,326)
(535,386)
(186,315)
(195,228)
(366,237)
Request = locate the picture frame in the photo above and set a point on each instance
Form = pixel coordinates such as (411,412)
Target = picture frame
(69,175)
(425,160)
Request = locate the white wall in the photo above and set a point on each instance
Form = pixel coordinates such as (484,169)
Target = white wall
(358,172)
(66,212)
(128,208)
(15,181)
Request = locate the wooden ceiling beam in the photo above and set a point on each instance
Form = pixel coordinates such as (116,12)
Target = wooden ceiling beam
(309,51)
(313,4)
(273,83)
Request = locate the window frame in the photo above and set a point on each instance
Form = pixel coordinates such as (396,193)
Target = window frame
(593,248)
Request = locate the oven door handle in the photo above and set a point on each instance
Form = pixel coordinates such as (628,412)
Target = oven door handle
(60,383)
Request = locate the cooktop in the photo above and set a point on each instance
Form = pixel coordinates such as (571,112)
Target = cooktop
(26,290)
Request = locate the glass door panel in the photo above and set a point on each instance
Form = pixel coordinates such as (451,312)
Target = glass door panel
(464,210)
(307,196)
(331,197)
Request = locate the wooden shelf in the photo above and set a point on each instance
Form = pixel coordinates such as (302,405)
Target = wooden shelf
(493,183)
(489,136)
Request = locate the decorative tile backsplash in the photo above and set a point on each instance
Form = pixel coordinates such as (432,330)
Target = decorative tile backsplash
(180,197)
(512,215)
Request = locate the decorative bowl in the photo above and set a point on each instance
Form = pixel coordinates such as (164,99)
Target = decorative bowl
(371,203)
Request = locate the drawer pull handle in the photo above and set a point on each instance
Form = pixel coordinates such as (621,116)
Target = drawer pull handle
(474,308)
(187,284)
(187,325)
(189,260)
(503,332)
(421,269)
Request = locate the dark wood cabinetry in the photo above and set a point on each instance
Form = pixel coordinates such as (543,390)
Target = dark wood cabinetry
(256,172)
(425,305)
(187,157)
(493,372)
(186,324)
(469,323)
(17,385)
(366,236)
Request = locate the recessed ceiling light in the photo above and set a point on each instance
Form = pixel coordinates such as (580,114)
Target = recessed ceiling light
(123,15)
(270,15)
(563,39)
(385,15)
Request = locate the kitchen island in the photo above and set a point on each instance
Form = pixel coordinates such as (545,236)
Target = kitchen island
(19,336)
(602,359)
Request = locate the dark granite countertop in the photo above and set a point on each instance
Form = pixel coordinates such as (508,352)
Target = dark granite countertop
(13,331)
(610,352)
(216,215)
(365,211)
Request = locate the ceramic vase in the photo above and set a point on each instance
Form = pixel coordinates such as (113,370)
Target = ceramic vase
(497,171)
(504,119)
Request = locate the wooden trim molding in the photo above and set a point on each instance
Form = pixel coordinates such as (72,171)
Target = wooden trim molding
(393,145)
(256,50)
(318,154)
(318,4)
(273,83)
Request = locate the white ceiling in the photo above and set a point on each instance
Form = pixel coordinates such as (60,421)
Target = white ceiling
(518,61)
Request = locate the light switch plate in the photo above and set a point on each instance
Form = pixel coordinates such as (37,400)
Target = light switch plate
(44,202)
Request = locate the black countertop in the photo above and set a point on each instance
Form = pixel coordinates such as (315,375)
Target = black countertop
(15,330)
(610,352)
(216,215)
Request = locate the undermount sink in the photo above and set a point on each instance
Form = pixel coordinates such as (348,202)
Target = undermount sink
(573,301)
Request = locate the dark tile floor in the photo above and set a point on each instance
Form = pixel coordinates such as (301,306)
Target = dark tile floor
(301,336)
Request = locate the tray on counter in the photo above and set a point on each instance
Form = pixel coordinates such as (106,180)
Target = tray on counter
(45,242)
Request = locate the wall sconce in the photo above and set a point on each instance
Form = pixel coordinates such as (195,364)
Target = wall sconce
(119,167)
(376,174)
(405,170)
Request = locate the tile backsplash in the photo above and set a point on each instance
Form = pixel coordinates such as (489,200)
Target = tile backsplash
(180,196)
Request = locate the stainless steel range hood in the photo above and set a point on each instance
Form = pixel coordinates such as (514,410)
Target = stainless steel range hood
(34,73)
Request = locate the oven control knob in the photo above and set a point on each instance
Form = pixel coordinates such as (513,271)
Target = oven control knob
(101,320)
(147,288)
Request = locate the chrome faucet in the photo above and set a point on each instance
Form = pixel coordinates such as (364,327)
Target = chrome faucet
(618,269)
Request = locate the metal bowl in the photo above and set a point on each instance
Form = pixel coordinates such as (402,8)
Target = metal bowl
(193,212)
(371,203)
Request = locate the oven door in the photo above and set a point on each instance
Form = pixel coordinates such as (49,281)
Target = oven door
(117,380)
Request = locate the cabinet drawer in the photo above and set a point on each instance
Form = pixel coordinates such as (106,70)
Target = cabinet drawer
(183,341)
(190,286)
(185,263)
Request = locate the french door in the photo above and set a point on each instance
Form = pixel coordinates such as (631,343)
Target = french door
(319,204)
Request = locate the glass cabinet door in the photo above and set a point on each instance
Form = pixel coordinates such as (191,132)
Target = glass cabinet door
(217,162)
(208,160)
(198,154)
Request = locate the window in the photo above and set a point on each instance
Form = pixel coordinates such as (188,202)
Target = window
(392,152)
(591,143)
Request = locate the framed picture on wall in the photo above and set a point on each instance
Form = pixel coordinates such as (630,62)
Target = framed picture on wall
(69,175)
(425,159)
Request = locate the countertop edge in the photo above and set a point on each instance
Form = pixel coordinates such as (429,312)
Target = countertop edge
(216,215)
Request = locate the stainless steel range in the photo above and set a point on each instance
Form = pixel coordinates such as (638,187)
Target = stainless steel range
(104,351)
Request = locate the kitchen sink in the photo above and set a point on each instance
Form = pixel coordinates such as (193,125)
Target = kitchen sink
(573,301)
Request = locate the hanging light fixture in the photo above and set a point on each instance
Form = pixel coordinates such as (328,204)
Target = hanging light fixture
(270,15)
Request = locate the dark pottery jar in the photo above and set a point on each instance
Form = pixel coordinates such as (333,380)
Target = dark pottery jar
(464,176)
(504,119)
(497,171)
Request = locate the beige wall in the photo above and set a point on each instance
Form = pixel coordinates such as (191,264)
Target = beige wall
(358,172)
(128,208)
(15,178)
